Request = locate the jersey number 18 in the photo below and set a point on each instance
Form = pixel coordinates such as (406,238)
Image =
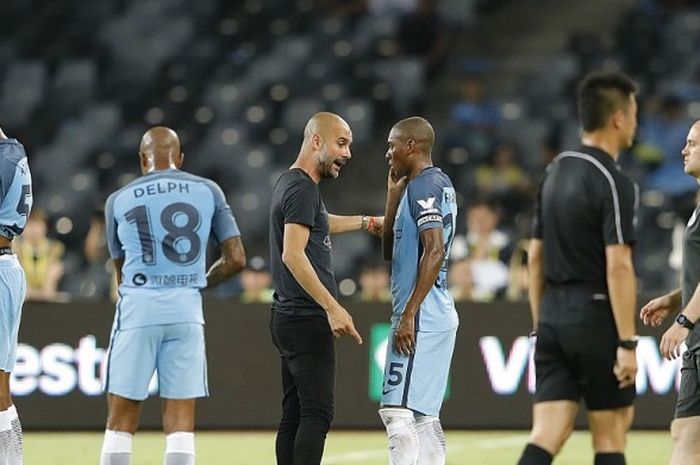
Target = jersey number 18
(178,234)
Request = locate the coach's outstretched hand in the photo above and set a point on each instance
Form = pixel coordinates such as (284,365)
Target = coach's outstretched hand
(341,323)
(654,312)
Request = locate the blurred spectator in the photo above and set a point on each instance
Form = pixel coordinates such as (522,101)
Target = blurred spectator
(256,280)
(99,278)
(504,180)
(374,283)
(661,138)
(475,119)
(483,238)
(518,277)
(422,34)
(460,280)
(41,258)
(487,248)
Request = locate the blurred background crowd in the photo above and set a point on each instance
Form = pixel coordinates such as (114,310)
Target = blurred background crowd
(81,81)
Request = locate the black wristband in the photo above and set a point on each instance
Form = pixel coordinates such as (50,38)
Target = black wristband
(685,322)
(628,344)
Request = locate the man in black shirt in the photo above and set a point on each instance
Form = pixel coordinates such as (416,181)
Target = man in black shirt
(685,428)
(305,312)
(582,281)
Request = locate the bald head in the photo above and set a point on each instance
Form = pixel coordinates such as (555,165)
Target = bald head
(417,129)
(324,124)
(160,149)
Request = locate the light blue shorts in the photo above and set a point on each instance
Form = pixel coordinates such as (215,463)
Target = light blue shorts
(418,382)
(176,352)
(13,287)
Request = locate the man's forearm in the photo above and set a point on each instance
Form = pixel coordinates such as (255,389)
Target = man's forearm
(428,271)
(339,224)
(535,268)
(220,271)
(392,205)
(302,271)
(622,289)
(535,291)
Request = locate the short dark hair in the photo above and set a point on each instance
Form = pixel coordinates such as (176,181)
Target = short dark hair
(600,94)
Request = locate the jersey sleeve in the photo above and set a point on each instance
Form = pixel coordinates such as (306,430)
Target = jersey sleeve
(113,243)
(425,203)
(12,151)
(223,223)
(300,203)
(620,204)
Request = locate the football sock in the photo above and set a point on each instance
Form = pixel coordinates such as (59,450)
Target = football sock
(403,439)
(10,437)
(179,449)
(609,458)
(116,448)
(535,455)
(432,448)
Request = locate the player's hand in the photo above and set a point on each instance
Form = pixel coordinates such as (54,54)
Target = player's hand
(654,312)
(625,369)
(2,134)
(395,184)
(376,226)
(341,324)
(405,336)
(672,340)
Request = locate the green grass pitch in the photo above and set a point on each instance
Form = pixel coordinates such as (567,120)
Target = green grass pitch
(351,448)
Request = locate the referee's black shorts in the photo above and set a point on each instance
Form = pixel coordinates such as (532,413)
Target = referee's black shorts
(576,350)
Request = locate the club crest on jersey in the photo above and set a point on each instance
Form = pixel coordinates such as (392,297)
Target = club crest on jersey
(427,205)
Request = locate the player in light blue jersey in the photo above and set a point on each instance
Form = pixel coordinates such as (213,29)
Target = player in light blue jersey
(421,212)
(157,232)
(15,205)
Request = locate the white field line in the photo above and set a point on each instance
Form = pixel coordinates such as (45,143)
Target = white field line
(488,444)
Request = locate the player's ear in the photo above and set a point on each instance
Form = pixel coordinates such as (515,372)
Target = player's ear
(618,118)
(143,161)
(316,141)
(180,160)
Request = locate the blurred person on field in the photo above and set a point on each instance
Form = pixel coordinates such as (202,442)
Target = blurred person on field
(41,258)
(374,283)
(256,282)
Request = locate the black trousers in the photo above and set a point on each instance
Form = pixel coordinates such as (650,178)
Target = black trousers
(307,350)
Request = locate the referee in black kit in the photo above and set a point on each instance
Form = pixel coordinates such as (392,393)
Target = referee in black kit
(582,281)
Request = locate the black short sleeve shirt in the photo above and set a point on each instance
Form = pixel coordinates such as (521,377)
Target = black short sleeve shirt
(297,199)
(585,203)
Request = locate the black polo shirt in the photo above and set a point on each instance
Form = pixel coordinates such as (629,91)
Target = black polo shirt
(584,204)
(297,199)
(691,271)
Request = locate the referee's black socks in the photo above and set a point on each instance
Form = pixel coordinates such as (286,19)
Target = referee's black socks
(609,458)
(535,455)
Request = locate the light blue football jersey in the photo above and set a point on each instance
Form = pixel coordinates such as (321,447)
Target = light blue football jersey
(160,224)
(15,188)
(428,202)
